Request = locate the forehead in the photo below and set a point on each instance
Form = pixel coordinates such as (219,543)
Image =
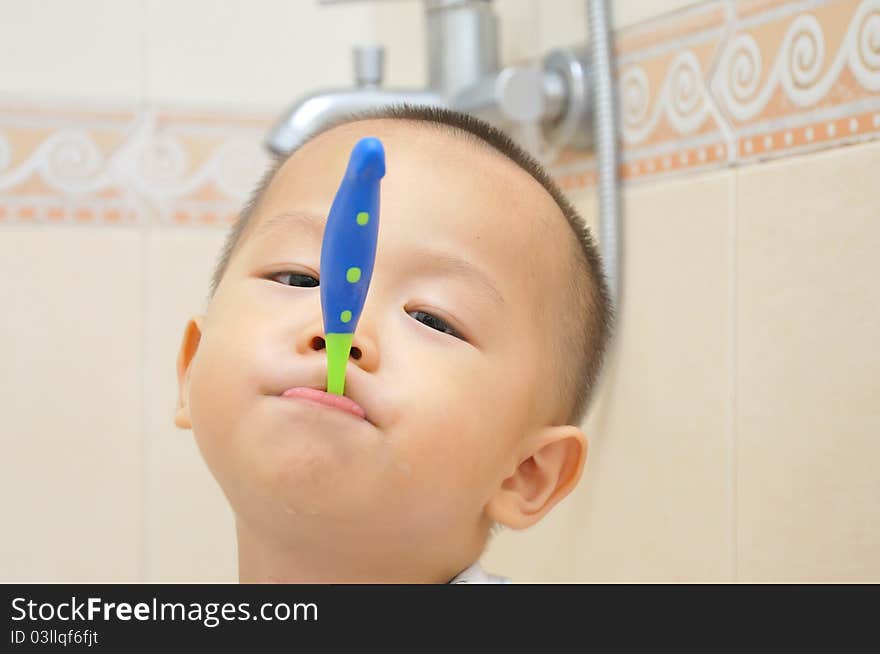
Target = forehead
(441,191)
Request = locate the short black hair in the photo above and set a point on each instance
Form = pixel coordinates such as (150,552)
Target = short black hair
(586,329)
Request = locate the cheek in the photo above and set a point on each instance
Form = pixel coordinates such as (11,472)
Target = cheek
(472,413)
(218,391)
(445,431)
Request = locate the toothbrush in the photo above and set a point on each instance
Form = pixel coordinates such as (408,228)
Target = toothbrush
(348,252)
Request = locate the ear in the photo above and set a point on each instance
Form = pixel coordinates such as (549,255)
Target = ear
(192,335)
(548,472)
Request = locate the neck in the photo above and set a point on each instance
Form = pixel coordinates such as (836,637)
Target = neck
(264,559)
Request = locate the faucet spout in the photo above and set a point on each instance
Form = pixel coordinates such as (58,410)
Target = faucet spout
(312,112)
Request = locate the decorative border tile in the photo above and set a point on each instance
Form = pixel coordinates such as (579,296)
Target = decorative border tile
(801,76)
(736,82)
(73,166)
(726,82)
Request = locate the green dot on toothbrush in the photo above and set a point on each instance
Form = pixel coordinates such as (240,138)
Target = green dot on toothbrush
(345,316)
(362,218)
(353,274)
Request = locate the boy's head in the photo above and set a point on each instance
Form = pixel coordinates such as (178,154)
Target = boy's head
(475,356)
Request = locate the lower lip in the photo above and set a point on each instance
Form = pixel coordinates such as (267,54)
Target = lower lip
(326,399)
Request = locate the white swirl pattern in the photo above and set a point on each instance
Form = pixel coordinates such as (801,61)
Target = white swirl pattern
(5,153)
(683,99)
(864,60)
(163,162)
(744,67)
(72,162)
(741,83)
(238,166)
(635,95)
(154,165)
(799,64)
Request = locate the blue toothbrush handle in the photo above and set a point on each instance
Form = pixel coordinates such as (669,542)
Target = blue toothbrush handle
(348,251)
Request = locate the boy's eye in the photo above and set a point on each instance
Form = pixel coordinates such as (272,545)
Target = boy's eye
(297,279)
(308,281)
(435,323)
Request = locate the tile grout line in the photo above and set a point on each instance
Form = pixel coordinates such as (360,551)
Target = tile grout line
(146,270)
(145,52)
(733,286)
(145,318)
(729,132)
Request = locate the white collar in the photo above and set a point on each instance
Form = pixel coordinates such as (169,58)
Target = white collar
(474,574)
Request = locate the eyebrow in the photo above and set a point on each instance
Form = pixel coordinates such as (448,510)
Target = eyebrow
(446,261)
(311,222)
(455,265)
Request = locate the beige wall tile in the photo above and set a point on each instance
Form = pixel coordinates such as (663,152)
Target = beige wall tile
(807,388)
(400,29)
(71,400)
(654,503)
(191,533)
(564,23)
(252,54)
(629,12)
(517,29)
(561,24)
(85,50)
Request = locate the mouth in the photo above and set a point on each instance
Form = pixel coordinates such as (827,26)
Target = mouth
(339,402)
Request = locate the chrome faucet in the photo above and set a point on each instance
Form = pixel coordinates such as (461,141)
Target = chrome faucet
(463,74)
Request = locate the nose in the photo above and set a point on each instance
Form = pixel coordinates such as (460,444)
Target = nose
(364,349)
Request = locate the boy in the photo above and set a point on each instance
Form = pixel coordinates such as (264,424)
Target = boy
(475,357)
